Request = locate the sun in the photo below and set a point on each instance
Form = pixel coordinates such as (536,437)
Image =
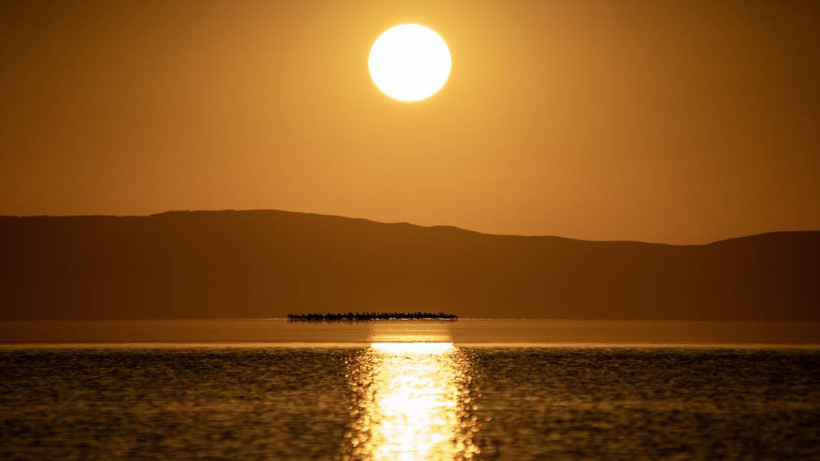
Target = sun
(409,62)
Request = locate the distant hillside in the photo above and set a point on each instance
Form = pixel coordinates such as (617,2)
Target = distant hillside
(269,263)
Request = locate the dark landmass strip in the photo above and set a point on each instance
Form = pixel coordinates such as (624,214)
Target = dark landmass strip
(223,264)
(366,316)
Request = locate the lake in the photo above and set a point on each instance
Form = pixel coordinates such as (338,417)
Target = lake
(485,389)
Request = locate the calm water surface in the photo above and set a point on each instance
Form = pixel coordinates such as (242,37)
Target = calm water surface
(405,400)
(463,331)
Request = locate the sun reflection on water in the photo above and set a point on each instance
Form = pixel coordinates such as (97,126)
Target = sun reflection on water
(413,403)
(412,348)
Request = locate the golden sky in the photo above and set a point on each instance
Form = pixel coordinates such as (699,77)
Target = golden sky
(671,121)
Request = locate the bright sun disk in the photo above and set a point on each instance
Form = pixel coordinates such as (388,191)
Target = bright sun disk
(409,62)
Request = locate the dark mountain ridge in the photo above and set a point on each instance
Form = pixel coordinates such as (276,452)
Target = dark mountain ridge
(268,263)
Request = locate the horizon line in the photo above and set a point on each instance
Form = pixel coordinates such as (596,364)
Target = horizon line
(433,226)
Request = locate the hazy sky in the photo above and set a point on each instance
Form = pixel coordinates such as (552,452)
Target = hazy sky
(673,121)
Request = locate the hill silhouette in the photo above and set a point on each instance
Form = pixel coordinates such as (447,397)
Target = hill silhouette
(268,263)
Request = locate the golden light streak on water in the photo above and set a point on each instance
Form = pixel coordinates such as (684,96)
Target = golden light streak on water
(413,404)
(412,348)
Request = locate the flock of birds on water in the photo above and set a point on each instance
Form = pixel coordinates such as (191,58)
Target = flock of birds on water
(357,316)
